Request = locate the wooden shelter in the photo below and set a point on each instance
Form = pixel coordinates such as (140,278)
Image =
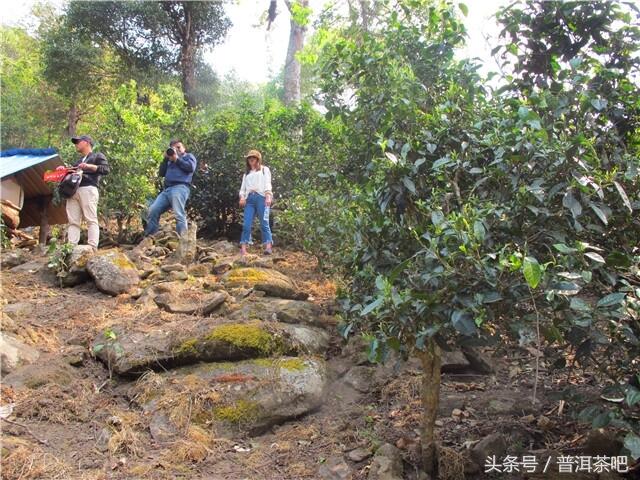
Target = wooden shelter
(26,198)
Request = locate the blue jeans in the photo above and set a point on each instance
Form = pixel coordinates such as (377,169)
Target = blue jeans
(255,204)
(171,198)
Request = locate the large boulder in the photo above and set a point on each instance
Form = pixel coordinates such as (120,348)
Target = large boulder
(202,339)
(266,280)
(247,396)
(279,309)
(14,353)
(113,272)
(77,272)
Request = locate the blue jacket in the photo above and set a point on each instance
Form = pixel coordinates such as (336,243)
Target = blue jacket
(179,172)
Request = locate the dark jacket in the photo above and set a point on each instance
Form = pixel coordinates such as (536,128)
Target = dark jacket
(179,172)
(92,179)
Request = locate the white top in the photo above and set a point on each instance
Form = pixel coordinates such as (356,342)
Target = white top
(258,181)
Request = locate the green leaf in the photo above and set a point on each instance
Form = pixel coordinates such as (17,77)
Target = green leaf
(97,348)
(440,162)
(596,257)
(599,104)
(564,288)
(579,305)
(372,306)
(570,202)
(464,9)
(532,271)
(633,396)
(601,215)
(409,184)
(478,230)
(632,443)
(601,420)
(611,299)
(562,248)
(623,195)
(437,217)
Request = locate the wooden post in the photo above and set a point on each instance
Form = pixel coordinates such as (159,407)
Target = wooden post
(44,221)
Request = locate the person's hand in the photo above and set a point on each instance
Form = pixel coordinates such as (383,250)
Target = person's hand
(61,167)
(268,200)
(89,167)
(243,202)
(173,158)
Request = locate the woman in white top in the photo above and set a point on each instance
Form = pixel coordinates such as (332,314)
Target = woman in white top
(256,197)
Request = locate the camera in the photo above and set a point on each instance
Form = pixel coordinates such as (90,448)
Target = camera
(171,152)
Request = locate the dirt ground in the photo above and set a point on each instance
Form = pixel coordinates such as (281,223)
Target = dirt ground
(84,427)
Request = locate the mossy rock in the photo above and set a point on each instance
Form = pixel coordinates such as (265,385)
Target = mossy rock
(247,396)
(266,280)
(113,272)
(202,339)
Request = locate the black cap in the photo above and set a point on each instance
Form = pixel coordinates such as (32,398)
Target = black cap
(82,137)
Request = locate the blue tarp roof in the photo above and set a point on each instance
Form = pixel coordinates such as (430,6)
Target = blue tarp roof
(13,161)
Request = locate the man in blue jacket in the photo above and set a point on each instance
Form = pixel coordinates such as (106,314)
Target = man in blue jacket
(177,168)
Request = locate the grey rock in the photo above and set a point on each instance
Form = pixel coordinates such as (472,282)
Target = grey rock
(14,353)
(310,339)
(202,306)
(270,281)
(47,369)
(173,267)
(77,273)
(32,266)
(18,310)
(493,444)
(113,272)
(360,377)
(359,454)
(13,258)
(161,428)
(250,395)
(502,406)
(386,464)
(335,468)
(280,309)
(178,276)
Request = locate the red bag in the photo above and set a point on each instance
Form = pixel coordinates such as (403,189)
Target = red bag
(55,175)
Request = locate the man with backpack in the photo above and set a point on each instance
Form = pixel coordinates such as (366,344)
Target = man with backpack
(81,189)
(177,168)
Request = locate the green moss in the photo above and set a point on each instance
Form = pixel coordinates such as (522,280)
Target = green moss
(294,364)
(242,411)
(245,335)
(188,347)
(246,276)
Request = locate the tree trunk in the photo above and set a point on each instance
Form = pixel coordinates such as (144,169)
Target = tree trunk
(72,119)
(292,65)
(188,53)
(188,70)
(431,362)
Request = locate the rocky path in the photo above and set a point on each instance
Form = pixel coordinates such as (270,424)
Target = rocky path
(169,360)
